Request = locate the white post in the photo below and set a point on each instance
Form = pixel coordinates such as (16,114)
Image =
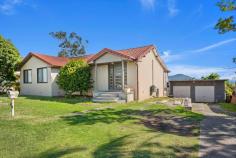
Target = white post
(12,107)
(12,95)
(123,75)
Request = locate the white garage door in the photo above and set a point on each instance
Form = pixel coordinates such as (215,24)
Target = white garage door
(181,91)
(205,94)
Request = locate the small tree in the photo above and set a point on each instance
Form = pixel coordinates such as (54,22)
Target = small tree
(71,45)
(226,24)
(9,58)
(212,76)
(75,77)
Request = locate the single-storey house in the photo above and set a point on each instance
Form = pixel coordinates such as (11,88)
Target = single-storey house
(199,90)
(117,74)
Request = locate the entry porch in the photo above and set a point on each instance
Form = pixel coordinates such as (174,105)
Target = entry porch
(110,82)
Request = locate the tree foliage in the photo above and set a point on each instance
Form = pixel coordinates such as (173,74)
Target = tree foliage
(226,24)
(75,77)
(9,59)
(72,45)
(229,88)
(212,76)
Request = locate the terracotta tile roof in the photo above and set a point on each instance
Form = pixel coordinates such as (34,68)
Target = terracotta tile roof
(53,60)
(132,54)
(105,50)
(138,52)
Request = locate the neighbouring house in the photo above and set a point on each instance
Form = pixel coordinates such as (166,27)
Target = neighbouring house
(199,90)
(117,74)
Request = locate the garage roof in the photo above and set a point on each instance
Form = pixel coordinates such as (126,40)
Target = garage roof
(198,80)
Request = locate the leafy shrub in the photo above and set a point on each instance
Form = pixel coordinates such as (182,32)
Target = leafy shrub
(75,77)
(229,88)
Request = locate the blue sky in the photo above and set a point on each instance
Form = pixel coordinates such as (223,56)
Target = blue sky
(182,30)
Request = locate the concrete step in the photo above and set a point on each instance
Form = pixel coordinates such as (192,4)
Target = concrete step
(107,97)
(108,94)
(104,100)
(98,100)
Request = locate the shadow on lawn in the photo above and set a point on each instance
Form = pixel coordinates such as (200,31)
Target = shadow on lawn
(127,146)
(55,152)
(156,119)
(73,100)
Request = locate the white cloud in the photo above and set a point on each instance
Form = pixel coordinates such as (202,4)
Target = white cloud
(8,6)
(172,9)
(167,56)
(151,4)
(198,71)
(212,46)
(148,4)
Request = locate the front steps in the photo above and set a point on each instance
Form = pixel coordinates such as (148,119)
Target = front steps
(108,97)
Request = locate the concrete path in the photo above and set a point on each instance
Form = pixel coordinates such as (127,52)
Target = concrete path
(217,134)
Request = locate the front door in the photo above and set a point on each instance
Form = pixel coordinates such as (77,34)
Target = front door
(115,76)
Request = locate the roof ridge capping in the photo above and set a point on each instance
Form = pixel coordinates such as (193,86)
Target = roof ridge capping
(150,45)
(38,53)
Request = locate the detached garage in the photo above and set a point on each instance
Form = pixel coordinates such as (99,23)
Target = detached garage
(199,90)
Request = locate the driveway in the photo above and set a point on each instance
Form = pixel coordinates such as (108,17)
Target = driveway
(217,134)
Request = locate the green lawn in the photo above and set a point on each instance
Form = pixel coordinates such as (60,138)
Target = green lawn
(56,127)
(228,107)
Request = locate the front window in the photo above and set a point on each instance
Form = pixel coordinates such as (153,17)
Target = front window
(27,76)
(42,75)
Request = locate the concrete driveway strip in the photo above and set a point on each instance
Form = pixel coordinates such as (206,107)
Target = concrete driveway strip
(217,133)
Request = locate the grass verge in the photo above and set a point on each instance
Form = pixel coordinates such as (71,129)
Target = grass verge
(58,127)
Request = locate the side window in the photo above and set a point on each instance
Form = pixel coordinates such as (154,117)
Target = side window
(27,74)
(42,75)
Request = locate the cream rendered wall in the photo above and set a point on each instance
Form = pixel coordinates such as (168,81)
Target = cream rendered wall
(159,76)
(56,91)
(34,88)
(107,58)
(102,78)
(132,77)
(145,76)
